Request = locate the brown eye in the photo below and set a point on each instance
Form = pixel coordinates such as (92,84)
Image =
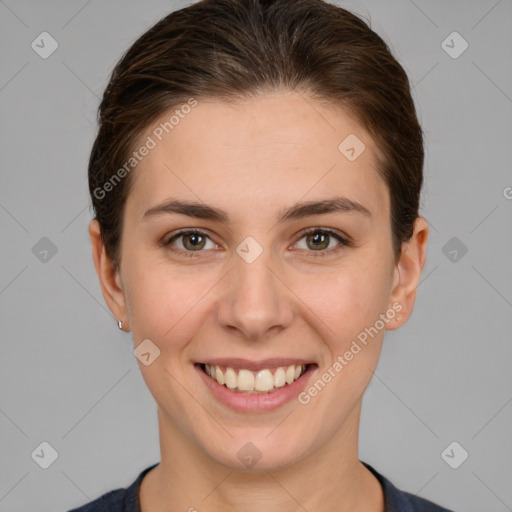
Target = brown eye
(191,241)
(319,241)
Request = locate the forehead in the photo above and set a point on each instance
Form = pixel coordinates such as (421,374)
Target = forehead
(272,150)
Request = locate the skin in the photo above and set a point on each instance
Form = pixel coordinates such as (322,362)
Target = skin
(254,158)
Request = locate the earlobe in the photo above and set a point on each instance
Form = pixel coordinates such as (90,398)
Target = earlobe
(108,275)
(407,273)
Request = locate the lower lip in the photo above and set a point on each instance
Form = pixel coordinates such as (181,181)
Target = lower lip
(257,402)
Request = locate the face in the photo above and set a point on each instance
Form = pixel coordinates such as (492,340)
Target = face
(286,261)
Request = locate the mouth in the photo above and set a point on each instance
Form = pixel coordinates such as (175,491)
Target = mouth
(256,378)
(255,386)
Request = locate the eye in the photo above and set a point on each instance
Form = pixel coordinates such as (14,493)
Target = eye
(193,240)
(319,239)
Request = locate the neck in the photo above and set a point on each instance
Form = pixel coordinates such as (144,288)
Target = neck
(330,478)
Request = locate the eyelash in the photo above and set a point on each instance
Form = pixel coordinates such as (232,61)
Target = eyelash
(321,253)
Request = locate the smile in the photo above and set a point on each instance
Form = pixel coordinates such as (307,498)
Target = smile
(250,386)
(265,380)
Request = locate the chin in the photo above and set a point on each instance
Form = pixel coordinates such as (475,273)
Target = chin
(256,453)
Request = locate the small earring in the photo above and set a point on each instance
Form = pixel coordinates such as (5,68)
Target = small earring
(120,325)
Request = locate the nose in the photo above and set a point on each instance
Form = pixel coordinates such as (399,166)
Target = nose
(256,300)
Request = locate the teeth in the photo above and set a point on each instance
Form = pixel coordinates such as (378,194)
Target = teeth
(264,381)
(279,378)
(230,377)
(290,374)
(219,376)
(247,381)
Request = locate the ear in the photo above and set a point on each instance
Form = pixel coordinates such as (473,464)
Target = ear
(407,274)
(109,277)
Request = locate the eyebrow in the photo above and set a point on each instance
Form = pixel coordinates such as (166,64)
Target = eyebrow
(297,211)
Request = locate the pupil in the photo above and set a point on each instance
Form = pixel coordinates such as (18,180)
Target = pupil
(194,239)
(319,239)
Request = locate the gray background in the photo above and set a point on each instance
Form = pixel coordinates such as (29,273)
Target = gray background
(69,377)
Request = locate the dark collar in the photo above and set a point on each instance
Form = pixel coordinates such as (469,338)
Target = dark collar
(394,499)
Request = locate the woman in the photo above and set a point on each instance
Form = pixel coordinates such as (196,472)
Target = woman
(256,180)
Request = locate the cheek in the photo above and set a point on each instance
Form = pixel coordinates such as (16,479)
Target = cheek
(161,302)
(349,299)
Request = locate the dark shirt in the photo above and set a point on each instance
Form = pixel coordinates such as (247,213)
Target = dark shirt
(127,500)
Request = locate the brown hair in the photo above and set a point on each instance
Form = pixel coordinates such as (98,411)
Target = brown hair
(236,49)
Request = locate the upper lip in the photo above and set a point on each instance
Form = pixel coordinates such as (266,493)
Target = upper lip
(256,365)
